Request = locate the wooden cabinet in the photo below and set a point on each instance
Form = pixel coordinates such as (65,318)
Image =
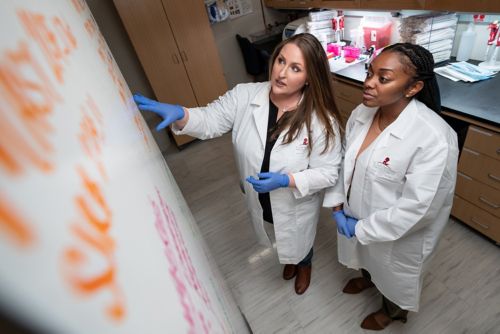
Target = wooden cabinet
(392,4)
(444,5)
(348,95)
(338,4)
(464,5)
(477,194)
(176,47)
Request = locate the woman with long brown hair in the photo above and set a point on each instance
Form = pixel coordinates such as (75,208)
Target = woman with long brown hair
(287,144)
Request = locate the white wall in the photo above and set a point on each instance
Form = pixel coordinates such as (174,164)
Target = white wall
(225,38)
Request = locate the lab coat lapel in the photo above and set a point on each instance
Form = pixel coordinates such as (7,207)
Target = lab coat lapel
(398,129)
(260,113)
(360,128)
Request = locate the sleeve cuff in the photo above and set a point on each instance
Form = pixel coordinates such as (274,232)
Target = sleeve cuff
(360,233)
(301,185)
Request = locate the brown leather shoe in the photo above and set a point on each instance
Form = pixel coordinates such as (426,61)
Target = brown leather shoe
(379,320)
(289,271)
(303,279)
(356,285)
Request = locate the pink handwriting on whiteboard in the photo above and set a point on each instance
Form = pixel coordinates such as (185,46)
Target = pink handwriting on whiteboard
(184,274)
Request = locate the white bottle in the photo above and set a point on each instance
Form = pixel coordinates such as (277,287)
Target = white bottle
(466,43)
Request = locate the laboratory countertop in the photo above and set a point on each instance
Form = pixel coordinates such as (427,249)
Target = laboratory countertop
(478,100)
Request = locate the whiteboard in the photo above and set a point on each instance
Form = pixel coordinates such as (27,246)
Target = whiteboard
(95,236)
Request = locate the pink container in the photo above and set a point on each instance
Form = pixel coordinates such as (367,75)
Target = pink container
(351,52)
(333,48)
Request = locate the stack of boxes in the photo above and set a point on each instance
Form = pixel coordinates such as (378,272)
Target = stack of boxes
(435,32)
(320,25)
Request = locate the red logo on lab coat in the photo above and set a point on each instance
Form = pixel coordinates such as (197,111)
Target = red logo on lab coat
(305,141)
(386,161)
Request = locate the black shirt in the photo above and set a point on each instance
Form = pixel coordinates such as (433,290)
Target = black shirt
(264,198)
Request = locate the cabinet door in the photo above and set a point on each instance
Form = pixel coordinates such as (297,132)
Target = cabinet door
(302,3)
(392,4)
(277,3)
(189,22)
(464,5)
(150,33)
(338,4)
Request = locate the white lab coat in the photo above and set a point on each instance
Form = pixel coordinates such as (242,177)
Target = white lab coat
(402,205)
(245,110)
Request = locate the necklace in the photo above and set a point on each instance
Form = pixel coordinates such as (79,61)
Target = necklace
(289,107)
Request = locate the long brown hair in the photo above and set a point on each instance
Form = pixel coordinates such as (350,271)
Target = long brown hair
(317,93)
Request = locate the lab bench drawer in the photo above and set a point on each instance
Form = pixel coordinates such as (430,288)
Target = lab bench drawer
(345,108)
(479,194)
(476,218)
(483,141)
(351,93)
(480,167)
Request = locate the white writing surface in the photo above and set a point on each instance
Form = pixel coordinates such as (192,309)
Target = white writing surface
(95,236)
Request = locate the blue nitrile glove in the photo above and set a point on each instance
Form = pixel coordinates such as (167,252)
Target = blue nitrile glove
(341,221)
(351,225)
(169,112)
(268,182)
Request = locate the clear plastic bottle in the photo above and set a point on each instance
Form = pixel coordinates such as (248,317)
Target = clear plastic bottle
(466,43)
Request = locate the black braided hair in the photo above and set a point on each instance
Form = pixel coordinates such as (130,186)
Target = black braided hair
(420,63)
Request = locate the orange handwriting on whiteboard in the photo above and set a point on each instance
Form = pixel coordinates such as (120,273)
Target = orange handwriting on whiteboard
(14,225)
(113,69)
(79,5)
(28,100)
(93,231)
(54,38)
(91,134)
(140,125)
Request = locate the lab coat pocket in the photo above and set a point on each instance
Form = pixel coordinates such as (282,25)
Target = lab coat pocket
(386,173)
(298,158)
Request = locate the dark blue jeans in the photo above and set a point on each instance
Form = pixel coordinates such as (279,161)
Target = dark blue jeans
(307,260)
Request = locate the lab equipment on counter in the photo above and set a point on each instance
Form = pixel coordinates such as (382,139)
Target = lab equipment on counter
(493,30)
(351,52)
(435,32)
(466,43)
(377,31)
(334,48)
(465,72)
(292,27)
(492,63)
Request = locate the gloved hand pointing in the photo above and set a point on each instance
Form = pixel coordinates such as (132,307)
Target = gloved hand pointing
(268,182)
(169,112)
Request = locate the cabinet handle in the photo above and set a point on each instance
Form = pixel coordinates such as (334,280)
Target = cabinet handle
(496,178)
(484,200)
(478,223)
(175,59)
(184,56)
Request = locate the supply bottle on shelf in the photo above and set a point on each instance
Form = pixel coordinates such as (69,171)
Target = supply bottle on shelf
(466,43)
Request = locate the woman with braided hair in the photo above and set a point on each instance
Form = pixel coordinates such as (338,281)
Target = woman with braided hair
(399,178)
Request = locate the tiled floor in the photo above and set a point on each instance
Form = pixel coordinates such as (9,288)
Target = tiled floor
(462,288)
